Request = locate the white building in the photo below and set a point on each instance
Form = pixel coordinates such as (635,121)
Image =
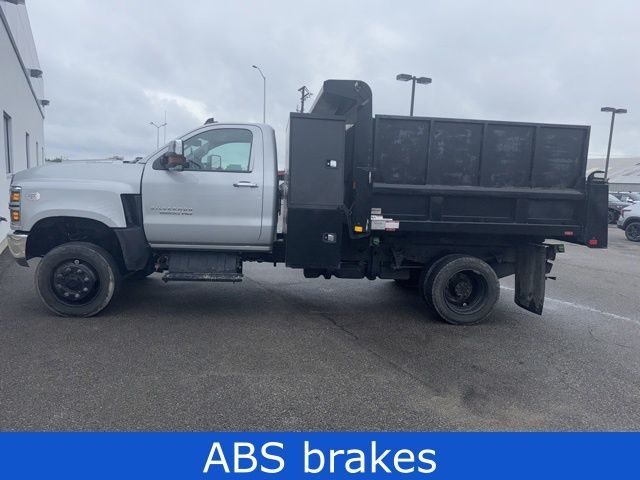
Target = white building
(626,176)
(624,173)
(21,101)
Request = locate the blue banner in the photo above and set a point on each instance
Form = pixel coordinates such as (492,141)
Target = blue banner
(319,455)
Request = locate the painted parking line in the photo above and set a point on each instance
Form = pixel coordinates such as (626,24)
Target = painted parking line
(584,308)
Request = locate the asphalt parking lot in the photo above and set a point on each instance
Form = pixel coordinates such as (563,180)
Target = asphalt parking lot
(282,352)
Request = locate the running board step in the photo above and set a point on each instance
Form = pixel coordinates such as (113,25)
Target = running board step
(202,277)
(203,267)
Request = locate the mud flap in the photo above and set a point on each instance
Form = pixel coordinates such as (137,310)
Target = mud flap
(531,270)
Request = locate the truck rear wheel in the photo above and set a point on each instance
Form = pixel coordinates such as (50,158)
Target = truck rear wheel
(463,289)
(428,274)
(77,279)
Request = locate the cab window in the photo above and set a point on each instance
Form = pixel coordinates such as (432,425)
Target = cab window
(219,150)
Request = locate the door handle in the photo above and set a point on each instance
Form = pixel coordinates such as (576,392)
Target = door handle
(244,183)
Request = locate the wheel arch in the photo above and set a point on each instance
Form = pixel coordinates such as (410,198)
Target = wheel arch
(629,220)
(128,246)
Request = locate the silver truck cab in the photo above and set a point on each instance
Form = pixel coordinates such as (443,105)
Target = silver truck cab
(94,222)
(224,197)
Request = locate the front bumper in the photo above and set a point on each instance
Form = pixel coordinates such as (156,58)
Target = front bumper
(17,243)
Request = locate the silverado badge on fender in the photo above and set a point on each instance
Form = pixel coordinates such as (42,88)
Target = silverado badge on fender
(173,210)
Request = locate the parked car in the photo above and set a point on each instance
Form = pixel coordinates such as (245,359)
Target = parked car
(629,221)
(628,197)
(615,207)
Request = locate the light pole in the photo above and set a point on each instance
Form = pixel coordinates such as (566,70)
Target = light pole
(264,94)
(164,130)
(158,127)
(405,77)
(613,111)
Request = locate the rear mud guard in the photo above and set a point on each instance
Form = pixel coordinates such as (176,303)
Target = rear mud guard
(531,271)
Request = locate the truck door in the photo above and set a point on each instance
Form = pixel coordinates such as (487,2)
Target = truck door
(216,200)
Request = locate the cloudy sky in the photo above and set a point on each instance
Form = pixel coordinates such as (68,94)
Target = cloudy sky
(111,67)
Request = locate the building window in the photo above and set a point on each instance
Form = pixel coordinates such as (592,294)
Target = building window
(37,154)
(42,154)
(6,124)
(27,149)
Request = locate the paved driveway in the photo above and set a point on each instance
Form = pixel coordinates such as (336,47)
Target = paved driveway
(282,352)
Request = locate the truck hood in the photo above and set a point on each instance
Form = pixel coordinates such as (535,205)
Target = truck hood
(117,177)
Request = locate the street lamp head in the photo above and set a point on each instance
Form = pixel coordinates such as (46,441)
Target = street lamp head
(259,70)
(423,80)
(404,77)
(613,110)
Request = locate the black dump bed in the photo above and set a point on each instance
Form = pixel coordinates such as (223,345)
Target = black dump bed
(422,174)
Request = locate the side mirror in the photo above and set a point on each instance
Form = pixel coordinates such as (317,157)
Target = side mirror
(175,148)
(174,159)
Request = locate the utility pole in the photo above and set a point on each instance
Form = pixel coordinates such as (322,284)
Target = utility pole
(304,95)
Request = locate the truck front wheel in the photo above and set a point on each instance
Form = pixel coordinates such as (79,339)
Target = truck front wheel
(463,289)
(77,279)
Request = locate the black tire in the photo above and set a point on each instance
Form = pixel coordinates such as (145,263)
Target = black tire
(77,279)
(464,290)
(612,217)
(428,274)
(632,232)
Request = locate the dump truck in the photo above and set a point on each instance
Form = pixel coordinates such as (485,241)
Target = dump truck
(444,206)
